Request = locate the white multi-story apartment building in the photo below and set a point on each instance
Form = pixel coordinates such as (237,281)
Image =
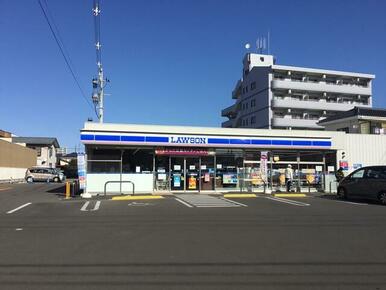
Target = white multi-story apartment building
(287,97)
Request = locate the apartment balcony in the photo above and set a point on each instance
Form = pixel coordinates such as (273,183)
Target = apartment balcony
(295,123)
(230,111)
(236,93)
(320,87)
(314,105)
(228,124)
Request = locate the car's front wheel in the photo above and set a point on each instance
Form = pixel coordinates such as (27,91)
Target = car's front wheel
(342,193)
(382,198)
(56,179)
(30,179)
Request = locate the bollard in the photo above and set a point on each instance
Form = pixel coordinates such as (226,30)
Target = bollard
(68,190)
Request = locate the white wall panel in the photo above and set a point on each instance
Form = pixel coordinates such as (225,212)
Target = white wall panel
(96,181)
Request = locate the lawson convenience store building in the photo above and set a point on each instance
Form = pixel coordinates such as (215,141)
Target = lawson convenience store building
(202,159)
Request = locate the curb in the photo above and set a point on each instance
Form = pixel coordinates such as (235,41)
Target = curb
(240,195)
(138,197)
(290,195)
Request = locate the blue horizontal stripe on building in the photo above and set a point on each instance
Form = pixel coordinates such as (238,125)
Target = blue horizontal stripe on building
(214,141)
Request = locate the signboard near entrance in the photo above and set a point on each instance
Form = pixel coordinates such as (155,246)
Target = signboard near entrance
(264,166)
(82,170)
(343,164)
(182,152)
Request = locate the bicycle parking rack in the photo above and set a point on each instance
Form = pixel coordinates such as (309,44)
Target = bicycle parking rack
(120,182)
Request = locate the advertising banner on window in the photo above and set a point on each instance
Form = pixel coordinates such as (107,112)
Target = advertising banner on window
(177,180)
(192,182)
(229,178)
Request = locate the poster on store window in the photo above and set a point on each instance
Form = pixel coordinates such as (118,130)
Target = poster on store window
(264,165)
(192,182)
(176,180)
(229,178)
(206,177)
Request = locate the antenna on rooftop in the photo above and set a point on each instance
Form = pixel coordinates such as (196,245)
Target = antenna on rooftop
(261,44)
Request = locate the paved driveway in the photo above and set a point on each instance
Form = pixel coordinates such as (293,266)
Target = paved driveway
(267,243)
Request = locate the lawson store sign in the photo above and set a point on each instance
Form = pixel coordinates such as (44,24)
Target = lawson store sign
(204,141)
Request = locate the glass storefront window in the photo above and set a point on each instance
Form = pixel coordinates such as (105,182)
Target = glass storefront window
(162,173)
(137,161)
(207,178)
(280,161)
(229,169)
(254,177)
(218,169)
(103,160)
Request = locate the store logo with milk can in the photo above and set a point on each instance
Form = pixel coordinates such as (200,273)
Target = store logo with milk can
(188,140)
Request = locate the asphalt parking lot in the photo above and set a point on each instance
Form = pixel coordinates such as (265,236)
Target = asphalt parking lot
(181,242)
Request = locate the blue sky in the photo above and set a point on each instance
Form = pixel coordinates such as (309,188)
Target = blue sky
(169,62)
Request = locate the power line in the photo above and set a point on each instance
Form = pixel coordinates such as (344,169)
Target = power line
(66,59)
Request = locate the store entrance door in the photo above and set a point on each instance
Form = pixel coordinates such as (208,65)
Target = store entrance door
(185,174)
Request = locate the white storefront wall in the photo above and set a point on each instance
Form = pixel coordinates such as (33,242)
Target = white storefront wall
(359,149)
(96,182)
(364,150)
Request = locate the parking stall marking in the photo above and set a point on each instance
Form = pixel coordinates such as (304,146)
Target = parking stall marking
(96,206)
(18,208)
(351,202)
(183,202)
(232,201)
(288,201)
(197,200)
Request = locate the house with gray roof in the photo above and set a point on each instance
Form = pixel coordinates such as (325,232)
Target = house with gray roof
(45,147)
(358,121)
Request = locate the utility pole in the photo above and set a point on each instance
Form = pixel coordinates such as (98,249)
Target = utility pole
(99,82)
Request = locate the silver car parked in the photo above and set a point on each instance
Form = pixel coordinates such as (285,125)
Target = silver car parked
(43,174)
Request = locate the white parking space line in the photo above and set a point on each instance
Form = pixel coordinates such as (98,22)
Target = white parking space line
(232,201)
(183,202)
(96,206)
(20,207)
(203,200)
(350,202)
(85,206)
(292,202)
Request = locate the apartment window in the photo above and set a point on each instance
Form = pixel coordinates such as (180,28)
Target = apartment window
(246,106)
(38,151)
(253,85)
(246,89)
(253,120)
(50,152)
(253,103)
